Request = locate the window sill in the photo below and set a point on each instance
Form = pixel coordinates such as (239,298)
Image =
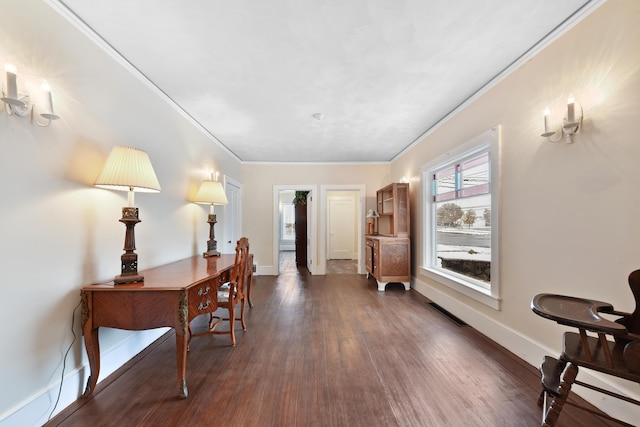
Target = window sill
(465,287)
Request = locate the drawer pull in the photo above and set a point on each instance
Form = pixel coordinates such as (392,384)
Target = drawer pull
(204,291)
(204,307)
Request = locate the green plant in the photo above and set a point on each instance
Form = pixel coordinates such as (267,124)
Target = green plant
(301,198)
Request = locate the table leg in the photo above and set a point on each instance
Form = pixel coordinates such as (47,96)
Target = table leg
(93,352)
(91,343)
(181,358)
(182,343)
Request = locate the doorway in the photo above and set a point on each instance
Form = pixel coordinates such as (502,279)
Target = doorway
(282,197)
(341,202)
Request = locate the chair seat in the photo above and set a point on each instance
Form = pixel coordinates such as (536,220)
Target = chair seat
(572,351)
(223,293)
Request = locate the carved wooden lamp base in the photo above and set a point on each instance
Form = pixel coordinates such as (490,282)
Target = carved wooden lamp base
(124,279)
(129,259)
(212,252)
(212,245)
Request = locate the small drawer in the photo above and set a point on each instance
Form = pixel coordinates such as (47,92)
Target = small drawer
(203,298)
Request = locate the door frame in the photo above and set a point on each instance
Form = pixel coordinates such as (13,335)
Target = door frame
(232,209)
(312,218)
(322,255)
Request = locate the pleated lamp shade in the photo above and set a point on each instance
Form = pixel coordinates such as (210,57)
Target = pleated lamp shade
(127,169)
(211,192)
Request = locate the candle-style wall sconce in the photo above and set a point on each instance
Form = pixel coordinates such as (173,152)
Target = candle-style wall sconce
(571,124)
(18,102)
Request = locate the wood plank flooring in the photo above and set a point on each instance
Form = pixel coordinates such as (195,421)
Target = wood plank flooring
(326,351)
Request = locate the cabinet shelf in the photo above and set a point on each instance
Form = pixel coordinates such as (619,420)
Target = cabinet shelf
(393,207)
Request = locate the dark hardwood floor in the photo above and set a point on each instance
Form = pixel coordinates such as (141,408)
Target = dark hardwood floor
(326,351)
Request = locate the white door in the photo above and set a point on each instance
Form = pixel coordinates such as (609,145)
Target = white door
(342,227)
(232,216)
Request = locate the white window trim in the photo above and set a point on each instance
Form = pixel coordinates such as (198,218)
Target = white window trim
(491,297)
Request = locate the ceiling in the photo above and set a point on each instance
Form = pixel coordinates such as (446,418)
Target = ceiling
(381,73)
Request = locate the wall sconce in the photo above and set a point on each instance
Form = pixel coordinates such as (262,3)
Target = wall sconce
(47,112)
(20,103)
(571,124)
(128,169)
(211,193)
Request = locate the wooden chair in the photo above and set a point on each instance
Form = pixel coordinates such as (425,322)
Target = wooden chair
(232,293)
(619,357)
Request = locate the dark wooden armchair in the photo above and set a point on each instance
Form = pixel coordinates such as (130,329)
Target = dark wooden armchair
(233,292)
(589,348)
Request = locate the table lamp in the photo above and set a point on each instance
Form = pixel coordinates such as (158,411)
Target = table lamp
(374,215)
(211,193)
(128,169)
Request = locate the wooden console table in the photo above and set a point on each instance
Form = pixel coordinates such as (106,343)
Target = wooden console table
(171,295)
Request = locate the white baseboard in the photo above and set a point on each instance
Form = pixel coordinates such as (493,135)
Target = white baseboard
(533,353)
(266,270)
(35,410)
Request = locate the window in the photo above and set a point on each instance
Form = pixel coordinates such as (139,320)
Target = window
(460,193)
(288,225)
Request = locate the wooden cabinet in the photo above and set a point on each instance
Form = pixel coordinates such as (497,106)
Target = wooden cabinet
(388,253)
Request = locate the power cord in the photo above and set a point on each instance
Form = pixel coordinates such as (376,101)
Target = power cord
(64,360)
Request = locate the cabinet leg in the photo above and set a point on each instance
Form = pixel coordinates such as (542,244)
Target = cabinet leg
(407,285)
(381,286)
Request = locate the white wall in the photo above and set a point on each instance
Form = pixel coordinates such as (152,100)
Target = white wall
(569,212)
(58,232)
